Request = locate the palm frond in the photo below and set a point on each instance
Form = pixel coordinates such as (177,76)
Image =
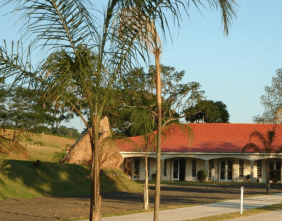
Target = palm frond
(180,129)
(57,23)
(271,137)
(227,8)
(16,65)
(251,147)
(260,137)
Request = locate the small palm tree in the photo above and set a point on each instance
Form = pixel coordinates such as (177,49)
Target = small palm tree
(267,149)
(143,122)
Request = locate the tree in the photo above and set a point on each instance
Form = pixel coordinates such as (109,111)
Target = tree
(267,149)
(68,29)
(141,93)
(24,112)
(79,63)
(272,101)
(142,123)
(3,106)
(207,111)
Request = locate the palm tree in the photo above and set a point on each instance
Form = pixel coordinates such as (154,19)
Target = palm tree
(267,149)
(79,63)
(69,32)
(146,14)
(143,122)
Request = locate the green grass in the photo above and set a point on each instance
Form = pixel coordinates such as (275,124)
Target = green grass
(19,179)
(116,180)
(250,212)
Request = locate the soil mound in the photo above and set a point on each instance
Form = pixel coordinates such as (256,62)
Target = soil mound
(81,152)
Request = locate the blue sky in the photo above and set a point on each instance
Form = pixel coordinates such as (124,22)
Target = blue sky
(233,69)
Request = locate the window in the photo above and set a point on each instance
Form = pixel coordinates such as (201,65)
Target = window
(165,167)
(241,168)
(194,169)
(259,169)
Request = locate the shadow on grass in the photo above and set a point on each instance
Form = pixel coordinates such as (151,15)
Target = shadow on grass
(58,179)
(52,179)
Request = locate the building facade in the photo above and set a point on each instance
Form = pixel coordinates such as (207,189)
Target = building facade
(215,148)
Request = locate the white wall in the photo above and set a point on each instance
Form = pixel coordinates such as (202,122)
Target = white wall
(235,174)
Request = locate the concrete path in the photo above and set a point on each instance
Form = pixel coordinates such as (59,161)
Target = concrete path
(200,211)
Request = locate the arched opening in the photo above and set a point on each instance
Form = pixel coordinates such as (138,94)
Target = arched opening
(225,170)
(178,169)
(275,170)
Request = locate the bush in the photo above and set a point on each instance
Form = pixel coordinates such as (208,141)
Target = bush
(201,175)
(58,156)
(38,143)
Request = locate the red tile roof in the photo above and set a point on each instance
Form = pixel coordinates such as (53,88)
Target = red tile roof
(207,137)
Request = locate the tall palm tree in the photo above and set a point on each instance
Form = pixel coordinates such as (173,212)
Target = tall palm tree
(267,149)
(79,63)
(147,14)
(64,27)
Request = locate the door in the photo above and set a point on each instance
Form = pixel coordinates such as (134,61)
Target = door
(182,169)
(225,168)
(175,167)
(275,170)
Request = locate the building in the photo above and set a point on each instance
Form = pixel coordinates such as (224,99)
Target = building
(213,147)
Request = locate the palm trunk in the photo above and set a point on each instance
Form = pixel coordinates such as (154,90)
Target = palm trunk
(146,191)
(96,201)
(159,127)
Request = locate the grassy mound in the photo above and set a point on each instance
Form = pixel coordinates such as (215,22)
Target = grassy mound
(32,146)
(20,179)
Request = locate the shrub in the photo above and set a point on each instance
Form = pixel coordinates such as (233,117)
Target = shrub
(58,156)
(201,175)
(248,177)
(275,174)
(38,143)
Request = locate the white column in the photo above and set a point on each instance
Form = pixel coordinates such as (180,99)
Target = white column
(207,169)
(252,170)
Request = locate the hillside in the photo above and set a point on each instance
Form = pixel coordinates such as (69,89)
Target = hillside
(43,147)
(20,179)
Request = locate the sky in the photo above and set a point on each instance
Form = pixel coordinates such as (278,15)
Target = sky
(233,69)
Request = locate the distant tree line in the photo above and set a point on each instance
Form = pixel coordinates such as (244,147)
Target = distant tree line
(135,94)
(23,109)
(26,109)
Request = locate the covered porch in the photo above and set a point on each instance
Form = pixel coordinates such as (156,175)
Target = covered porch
(232,167)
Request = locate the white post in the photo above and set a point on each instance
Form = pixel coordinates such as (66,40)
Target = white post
(207,169)
(242,193)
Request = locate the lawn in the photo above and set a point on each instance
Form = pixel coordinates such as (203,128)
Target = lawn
(20,179)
